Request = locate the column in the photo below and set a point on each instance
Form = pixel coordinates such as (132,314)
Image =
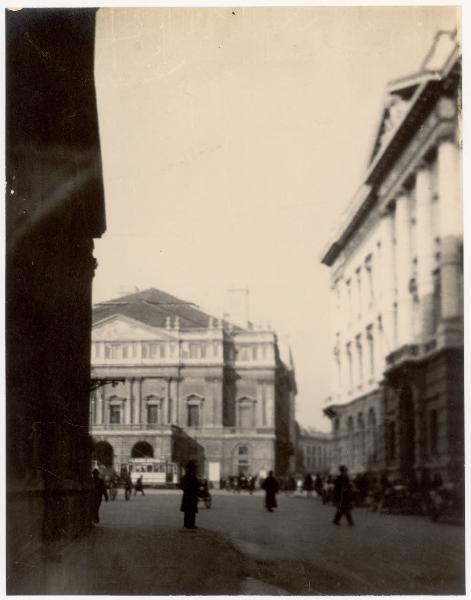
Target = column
(387,280)
(451,228)
(175,400)
(425,249)
(136,416)
(127,405)
(169,413)
(270,403)
(217,402)
(99,408)
(403,269)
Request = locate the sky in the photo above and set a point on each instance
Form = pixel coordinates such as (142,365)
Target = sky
(232,141)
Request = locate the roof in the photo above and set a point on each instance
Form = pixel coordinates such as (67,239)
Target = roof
(153,307)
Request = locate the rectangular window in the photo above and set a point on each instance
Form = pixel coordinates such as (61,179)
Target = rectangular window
(245,417)
(134,349)
(195,350)
(254,353)
(350,365)
(359,293)
(145,350)
(97,349)
(125,350)
(193,415)
(107,350)
(115,351)
(433,432)
(115,414)
(152,414)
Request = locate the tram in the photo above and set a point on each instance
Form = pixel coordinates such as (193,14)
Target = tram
(154,472)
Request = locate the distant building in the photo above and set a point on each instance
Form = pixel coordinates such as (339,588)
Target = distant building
(189,377)
(397,280)
(314,451)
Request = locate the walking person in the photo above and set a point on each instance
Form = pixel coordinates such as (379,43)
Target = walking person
(308,485)
(271,487)
(99,492)
(139,486)
(190,486)
(343,496)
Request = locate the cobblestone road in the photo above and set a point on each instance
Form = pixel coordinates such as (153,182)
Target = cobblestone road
(239,548)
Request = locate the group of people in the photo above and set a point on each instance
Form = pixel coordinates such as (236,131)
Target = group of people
(238,483)
(341,490)
(108,489)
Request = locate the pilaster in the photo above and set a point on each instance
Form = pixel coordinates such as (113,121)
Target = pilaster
(425,248)
(403,268)
(387,279)
(451,228)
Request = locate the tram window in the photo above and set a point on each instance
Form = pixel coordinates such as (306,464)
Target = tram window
(149,468)
(130,468)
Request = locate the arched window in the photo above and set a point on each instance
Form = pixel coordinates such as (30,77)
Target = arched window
(194,410)
(104,453)
(246,413)
(142,450)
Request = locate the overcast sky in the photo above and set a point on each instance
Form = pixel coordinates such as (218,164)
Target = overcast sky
(232,141)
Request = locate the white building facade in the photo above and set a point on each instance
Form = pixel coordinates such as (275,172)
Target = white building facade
(397,279)
(178,384)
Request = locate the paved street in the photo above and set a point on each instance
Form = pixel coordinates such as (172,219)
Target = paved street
(140,548)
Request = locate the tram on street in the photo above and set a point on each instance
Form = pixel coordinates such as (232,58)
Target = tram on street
(154,472)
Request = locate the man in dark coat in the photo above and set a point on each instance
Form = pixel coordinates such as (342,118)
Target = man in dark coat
(271,487)
(139,486)
(99,492)
(343,496)
(190,487)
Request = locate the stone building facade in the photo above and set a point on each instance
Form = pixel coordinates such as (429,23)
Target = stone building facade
(314,451)
(54,208)
(397,286)
(223,386)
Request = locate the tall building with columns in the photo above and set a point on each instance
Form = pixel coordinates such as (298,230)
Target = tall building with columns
(176,379)
(396,269)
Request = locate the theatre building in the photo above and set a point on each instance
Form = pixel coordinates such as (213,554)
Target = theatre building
(396,268)
(175,383)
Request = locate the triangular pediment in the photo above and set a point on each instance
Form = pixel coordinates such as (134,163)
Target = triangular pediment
(394,109)
(121,328)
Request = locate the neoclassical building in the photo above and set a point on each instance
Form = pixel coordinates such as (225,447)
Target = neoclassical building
(314,451)
(176,379)
(396,268)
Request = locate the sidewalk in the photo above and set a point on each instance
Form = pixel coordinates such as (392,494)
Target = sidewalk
(142,561)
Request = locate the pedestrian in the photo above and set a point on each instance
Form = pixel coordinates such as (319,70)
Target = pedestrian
(99,491)
(127,485)
(251,484)
(190,486)
(343,496)
(271,487)
(139,486)
(308,485)
(318,485)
